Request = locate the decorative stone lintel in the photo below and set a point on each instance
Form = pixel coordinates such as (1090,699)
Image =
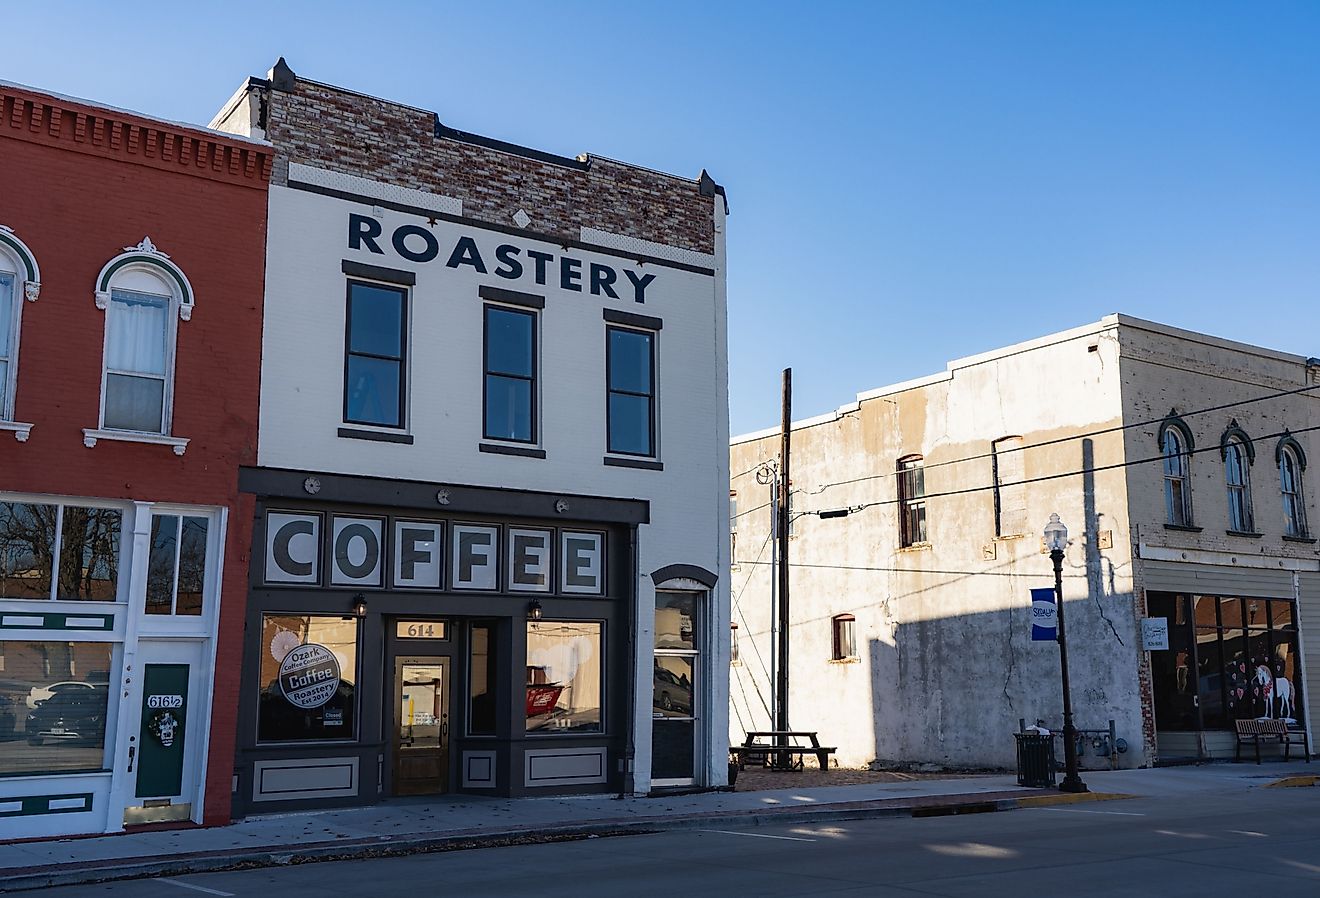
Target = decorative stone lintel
(91,436)
(31,290)
(18,428)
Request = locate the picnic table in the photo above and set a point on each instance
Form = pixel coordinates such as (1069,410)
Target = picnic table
(784,749)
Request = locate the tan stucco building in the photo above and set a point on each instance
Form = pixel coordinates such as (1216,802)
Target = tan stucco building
(1176,459)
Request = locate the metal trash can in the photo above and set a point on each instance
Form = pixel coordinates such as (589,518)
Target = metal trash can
(1035,760)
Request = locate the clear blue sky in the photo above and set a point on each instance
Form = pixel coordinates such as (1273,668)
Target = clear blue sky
(909,182)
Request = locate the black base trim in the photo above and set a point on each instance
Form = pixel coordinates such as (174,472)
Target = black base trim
(500,449)
(375,436)
(633,463)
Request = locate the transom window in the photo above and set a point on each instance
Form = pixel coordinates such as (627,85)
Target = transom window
(631,388)
(1290,485)
(374,355)
(510,386)
(1177,477)
(911,501)
(1237,475)
(53,551)
(176,568)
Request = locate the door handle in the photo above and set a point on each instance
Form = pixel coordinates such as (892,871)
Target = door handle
(132,750)
(444,729)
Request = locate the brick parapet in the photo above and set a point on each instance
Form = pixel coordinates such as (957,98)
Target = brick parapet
(51,120)
(350,133)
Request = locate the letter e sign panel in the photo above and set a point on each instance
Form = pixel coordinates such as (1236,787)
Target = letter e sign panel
(357,556)
(581,567)
(293,548)
(418,554)
(474,556)
(529,559)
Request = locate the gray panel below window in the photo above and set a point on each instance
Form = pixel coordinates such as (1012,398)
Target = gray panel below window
(564,766)
(304,778)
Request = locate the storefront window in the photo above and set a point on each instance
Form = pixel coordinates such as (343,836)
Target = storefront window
(565,669)
(308,678)
(54,698)
(85,539)
(482,680)
(1245,652)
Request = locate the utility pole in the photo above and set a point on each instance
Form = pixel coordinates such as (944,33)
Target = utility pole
(781,722)
(768,475)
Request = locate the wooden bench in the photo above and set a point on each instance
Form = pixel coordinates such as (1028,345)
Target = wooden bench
(782,744)
(1254,731)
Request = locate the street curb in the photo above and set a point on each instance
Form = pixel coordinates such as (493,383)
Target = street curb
(1042,801)
(48,876)
(1293,781)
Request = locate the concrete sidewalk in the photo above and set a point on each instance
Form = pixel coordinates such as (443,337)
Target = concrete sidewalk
(452,822)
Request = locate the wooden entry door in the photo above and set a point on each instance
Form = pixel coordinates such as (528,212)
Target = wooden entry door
(421,725)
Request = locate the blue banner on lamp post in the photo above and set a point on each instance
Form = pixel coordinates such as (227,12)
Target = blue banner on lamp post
(1044,616)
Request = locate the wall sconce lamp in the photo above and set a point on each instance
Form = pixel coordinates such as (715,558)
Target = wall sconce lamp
(534,610)
(359,606)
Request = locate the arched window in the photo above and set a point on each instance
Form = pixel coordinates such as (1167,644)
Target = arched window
(1238,454)
(20,279)
(1174,446)
(144,296)
(1292,462)
(911,501)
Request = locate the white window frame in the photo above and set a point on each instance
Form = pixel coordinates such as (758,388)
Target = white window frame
(16,259)
(1181,461)
(1294,500)
(1237,458)
(147,259)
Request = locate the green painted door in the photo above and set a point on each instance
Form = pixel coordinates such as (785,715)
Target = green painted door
(161,737)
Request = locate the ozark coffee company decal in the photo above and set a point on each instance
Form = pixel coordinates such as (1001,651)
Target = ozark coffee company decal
(309,676)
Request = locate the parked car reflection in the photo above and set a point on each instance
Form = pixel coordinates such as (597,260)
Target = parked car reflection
(76,715)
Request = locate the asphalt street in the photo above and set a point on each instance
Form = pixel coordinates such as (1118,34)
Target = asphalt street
(1256,842)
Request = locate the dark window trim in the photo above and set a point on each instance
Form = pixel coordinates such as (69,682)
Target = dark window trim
(1299,539)
(523,451)
(632,319)
(352,433)
(1185,528)
(487,374)
(1249,534)
(511,297)
(379,273)
(906,538)
(639,463)
(610,390)
(402,360)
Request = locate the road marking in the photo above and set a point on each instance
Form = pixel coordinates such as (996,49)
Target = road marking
(1247,832)
(725,832)
(1080,811)
(188,885)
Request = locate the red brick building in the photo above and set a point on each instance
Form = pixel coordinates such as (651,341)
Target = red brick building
(131,281)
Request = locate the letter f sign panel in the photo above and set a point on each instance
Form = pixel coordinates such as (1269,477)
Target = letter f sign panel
(474,560)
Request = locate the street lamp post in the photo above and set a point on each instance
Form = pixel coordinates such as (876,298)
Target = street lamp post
(1056,540)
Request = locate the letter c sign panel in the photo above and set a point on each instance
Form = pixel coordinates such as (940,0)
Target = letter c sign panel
(293,548)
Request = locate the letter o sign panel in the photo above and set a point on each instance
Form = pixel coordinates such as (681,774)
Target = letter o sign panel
(356,552)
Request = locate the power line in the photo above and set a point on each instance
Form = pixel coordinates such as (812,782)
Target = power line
(1118,428)
(1042,479)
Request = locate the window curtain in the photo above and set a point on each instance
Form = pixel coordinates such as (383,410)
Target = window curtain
(6,315)
(138,323)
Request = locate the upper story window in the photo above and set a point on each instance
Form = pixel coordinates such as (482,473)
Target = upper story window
(375,355)
(1010,488)
(144,296)
(843,644)
(911,501)
(510,376)
(1238,454)
(20,279)
(1292,462)
(1175,448)
(630,364)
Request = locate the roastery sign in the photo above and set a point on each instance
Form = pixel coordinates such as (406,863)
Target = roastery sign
(309,676)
